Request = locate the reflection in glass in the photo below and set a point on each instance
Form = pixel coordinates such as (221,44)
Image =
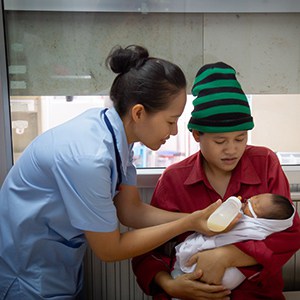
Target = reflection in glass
(275,126)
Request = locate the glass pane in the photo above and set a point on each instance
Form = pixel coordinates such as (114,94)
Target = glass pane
(33,115)
(275,117)
(277,125)
(56,71)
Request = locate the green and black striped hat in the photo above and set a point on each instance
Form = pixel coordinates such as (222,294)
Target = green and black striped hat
(220,104)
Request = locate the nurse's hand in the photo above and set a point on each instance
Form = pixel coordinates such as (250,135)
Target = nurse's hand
(200,218)
(189,287)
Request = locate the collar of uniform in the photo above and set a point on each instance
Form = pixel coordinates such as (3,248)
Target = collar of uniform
(121,138)
(243,173)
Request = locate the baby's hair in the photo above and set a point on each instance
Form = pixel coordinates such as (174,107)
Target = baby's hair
(283,208)
(142,79)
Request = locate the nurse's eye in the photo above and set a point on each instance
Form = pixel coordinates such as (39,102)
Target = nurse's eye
(219,142)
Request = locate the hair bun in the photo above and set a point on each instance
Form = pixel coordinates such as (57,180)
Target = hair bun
(121,60)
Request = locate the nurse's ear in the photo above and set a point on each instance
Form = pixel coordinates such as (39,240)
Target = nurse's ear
(137,112)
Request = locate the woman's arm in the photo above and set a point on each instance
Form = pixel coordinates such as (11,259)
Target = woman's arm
(269,255)
(113,246)
(189,286)
(213,263)
(273,252)
(140,214)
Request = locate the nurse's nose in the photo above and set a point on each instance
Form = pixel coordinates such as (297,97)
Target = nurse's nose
(174,129)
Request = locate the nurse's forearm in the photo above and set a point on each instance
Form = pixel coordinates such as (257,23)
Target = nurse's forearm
(112,246)
(115,246)
(134,213)
(147,215)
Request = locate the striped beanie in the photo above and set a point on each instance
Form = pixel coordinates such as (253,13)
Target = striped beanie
(220,104)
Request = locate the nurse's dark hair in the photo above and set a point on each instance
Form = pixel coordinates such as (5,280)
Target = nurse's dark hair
(141,79)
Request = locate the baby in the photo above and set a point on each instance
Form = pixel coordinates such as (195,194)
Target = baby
(263,215)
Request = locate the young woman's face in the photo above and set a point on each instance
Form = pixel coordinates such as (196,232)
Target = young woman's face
(222,151)
(153,130)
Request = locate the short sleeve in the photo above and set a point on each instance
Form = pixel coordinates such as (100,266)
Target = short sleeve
(86,187)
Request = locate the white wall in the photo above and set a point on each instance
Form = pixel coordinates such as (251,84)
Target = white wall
(276,119)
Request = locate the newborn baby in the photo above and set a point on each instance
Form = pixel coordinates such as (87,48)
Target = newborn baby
(263,214)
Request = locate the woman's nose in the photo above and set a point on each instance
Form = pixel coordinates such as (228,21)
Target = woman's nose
(230,148)
(174,129)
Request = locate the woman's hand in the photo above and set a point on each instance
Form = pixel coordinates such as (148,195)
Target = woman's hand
(189,287)
(212,263)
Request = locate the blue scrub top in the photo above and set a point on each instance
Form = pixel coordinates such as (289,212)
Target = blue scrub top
(62,185)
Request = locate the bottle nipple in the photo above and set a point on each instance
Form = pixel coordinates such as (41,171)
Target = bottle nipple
(224,214)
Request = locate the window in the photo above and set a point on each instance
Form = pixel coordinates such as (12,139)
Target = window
(275,117)
(56,53)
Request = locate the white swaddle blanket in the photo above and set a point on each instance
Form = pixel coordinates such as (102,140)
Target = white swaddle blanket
(246,229)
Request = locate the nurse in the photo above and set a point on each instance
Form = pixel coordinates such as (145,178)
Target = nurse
(74,183)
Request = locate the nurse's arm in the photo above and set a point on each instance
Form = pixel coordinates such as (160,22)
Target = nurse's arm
(115,246)
(133,212)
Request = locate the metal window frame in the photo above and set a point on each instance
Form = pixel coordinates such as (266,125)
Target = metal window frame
(6,154)
(154,6)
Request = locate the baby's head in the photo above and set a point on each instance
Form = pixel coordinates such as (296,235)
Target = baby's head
(268,206)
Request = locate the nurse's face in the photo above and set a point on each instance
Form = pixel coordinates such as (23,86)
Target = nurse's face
(153,130)
(222,151)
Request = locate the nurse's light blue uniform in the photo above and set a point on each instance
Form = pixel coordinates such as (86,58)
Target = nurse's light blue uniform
(62,184)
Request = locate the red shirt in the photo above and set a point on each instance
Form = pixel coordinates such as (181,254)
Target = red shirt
(184,187)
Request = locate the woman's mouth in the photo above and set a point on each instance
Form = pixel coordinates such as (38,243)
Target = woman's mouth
(164,140)
(229,161)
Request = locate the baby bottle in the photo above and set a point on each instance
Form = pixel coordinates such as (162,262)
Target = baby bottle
(224,214)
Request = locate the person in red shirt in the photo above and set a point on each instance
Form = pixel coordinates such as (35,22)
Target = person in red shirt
(224,166)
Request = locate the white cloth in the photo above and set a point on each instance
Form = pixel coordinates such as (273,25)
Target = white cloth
(246,229)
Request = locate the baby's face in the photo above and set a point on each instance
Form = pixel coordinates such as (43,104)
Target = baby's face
(260,204)
(247,208)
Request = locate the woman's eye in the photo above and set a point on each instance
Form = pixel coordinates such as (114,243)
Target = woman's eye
(219,142)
